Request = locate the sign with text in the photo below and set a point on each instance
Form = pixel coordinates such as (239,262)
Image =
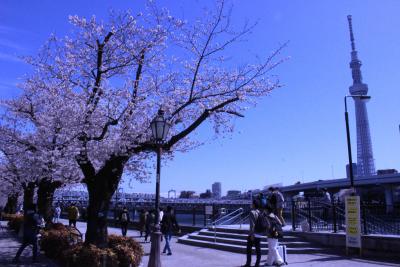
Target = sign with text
(209,210)
(353,222)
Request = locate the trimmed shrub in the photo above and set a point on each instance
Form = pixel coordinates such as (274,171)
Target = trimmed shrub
(57,226)
(53,242)
(82,255)
(9,216)
(128,250)
(57,244)
(15,221)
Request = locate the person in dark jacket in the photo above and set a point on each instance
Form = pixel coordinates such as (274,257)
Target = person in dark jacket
(254,239)
(150,220)
(142,221)
(32,223)
(168,226)
(73,215)
(124,219)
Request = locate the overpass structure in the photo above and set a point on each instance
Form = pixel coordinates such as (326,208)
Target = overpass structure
(387,184)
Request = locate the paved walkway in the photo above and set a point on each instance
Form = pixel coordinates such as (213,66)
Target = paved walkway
(184,255)
(9,245)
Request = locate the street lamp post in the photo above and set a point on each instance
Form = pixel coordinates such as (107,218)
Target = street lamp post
(159,128)
(346,115)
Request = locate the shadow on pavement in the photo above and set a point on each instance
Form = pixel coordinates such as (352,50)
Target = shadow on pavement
(9,245)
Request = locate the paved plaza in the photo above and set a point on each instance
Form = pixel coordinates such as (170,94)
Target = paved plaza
(184,255)
(9,245)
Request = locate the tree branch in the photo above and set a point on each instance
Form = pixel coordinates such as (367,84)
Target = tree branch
(174,139)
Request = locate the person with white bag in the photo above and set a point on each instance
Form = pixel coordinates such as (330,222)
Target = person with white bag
(274,232)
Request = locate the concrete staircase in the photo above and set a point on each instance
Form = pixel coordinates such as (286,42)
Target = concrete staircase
(234,239)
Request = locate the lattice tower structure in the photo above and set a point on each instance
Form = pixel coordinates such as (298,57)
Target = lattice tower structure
(365,157)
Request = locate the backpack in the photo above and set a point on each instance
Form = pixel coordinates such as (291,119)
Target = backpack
(275,228)
(263,201)
(124,217)
(272,201)
(261,223)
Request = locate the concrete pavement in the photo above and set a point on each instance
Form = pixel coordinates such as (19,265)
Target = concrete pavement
(190,256)
(9,245)
(184,255)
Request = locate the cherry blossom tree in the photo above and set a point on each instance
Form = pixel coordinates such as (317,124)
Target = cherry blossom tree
(13,181)
(9,187)
(106,81)
(34,153)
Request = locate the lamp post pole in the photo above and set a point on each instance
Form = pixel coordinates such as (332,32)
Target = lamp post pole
(346,115)
(159,127)
(155,260)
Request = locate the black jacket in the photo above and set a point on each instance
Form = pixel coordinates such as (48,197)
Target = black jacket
(127,215)
(169,223)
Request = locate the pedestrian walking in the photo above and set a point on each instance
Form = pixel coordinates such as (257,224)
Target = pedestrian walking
(73,214)
(168,226)
(124,220)
(32,224)
(142,221)
(277,202)
(57,213)
(326,204)
(273,233)
(253,238)
(160,216)
(84,213)
(151,217)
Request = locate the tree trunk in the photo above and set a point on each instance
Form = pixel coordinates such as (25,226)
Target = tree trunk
(29,191)
(101,187)
(12,202)
(45,198)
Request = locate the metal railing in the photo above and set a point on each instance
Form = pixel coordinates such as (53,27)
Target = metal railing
(229,218)
(313,214)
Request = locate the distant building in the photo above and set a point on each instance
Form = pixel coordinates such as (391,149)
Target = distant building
(187,194)
(387,171)
(233,194)
(216,190)
(354,170)
(207,194)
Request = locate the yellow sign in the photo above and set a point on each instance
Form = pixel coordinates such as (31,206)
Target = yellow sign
(353,222)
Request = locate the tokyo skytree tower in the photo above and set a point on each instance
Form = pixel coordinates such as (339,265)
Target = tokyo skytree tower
(365,157)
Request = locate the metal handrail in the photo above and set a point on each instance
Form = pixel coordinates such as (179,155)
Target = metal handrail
(371,223)
(229,216)
(244,219)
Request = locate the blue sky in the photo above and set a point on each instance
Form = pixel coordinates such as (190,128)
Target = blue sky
(295,134)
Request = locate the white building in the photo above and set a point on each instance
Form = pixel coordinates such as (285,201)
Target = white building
(216,190)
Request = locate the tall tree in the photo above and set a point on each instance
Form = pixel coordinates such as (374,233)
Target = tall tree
(15,174)
(35,153)
(106,81)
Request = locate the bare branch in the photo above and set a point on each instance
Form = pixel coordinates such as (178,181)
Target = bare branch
(232,112)
(174,139)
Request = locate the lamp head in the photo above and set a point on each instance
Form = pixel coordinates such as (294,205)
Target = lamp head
(362,97)
(160,127)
